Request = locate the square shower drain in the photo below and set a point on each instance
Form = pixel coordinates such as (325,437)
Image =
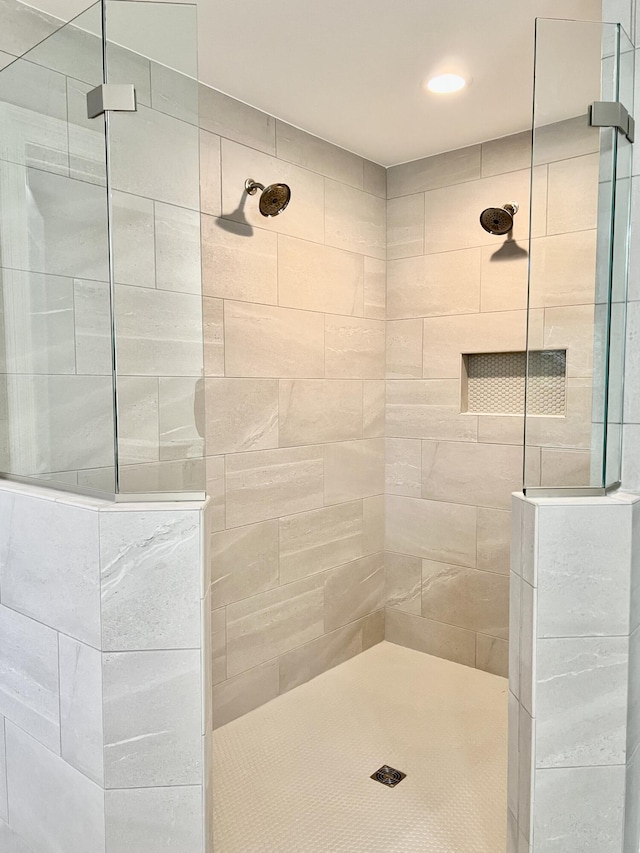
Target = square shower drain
(388,776)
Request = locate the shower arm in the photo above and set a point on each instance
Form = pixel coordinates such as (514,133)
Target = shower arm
(252,186)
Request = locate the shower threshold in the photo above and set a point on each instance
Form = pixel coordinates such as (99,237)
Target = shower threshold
(295,774)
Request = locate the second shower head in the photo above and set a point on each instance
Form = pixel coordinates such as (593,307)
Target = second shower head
(273,199)
(499,220)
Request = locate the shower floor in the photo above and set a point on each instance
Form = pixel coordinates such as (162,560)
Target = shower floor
(293,775)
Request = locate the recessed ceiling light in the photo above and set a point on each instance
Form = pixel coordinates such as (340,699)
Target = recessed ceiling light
(444,84)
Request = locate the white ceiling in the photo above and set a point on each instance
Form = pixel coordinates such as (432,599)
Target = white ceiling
(351,71)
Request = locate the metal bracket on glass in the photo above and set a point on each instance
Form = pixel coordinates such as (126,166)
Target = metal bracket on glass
(111,96)
(612,114)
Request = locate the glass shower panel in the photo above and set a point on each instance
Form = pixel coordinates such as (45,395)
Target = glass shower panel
(154,189)
(56,400)
(577,255)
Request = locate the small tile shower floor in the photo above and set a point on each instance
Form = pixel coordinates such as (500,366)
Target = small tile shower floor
(293,775)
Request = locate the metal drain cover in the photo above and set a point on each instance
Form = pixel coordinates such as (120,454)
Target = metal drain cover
(388,776)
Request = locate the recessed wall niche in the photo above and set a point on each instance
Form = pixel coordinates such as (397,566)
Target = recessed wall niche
(493,383)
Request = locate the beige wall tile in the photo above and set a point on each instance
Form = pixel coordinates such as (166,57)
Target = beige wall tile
(353,469)
(572,328)
(403,582)
(354,348)
(303,149)
(434,530)
(318,410)
(442,170)
(492,655)
(434,285)
(494,539)
(216,491)
(273,342)
(138,413)
(504,277)
(239,262)
(470,473)
(353,591)
(428,409)
(375,288)
(305,214)
(354,220)
(375,179)
(573,194)
(446,338)
(405,226)
(403,467)
(572,431)
(319,278)
(507,154)
(182,417)
(434,638)
(270,624)
(218,645)
(232,119)
(244,562)
(213,331)
(242,414)
(501,429)
(404,349)
(210,176)
(237,696)
(271,483)
(452,213)
(314,658)
(565,468)
(467,598)
(314,541)
(563,269)
(373,403)
(564,139)
(373,513)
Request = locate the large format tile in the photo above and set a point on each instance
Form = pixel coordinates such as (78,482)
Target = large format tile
(273,342)
(133,240)
(404,349)
(468,598)
(353,469)
(433,638)
(405,226)
(354,348)
(155,156)
(267,625)
(213,333)
(375,288)
(583,588)
(303,149)
(563,270)
(442,170)
(244,562)
(504,277)
(581,701)
(492,655)
(10,842)
(403,581)
(52,577)
(150,567)
(494,535)
(242,414)
(29,691)
(319,278)
(73,820)
(152,718)
(373,405)
(167,342)
(92,315)
(508,154)
(151,819)
(181,417)
(304,216)
(301,665)
(210,174)
(4,807)
(433,285)
(234,120)
(354,220)
(573,194)
(471,473)
(272,483)
(318,410)
(177,238)
(238,695)
(579,810)
(353,591)
(403,467)
(431,529)
(314,541)
(138,419)
(428,409)
(81,731)
(239,262)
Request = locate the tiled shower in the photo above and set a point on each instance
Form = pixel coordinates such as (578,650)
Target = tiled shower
(308,373)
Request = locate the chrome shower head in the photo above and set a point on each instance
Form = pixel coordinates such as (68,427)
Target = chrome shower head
(499,220)
(273,198)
